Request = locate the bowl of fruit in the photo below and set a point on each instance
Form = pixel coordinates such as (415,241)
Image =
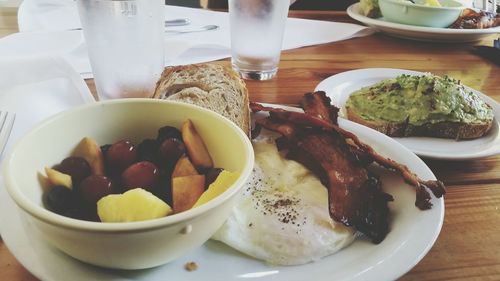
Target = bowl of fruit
(131,183)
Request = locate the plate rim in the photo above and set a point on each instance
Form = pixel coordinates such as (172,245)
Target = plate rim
(353,12)
(379,271)
(323,85)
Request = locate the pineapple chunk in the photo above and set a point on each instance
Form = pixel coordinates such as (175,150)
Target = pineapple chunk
(134,205)
(221,184)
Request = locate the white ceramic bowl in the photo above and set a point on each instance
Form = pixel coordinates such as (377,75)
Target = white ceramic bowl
(132,245)
(405,12)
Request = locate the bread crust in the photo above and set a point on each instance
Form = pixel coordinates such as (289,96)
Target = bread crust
(167,86)
(452,130)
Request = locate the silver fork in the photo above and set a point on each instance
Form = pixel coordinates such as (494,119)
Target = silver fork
(196,29)
(6,124)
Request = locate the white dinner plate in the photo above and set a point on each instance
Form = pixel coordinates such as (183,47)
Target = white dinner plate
(405,245)
(338,87)
(421,33)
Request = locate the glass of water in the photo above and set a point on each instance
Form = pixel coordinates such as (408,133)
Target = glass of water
(257,29)
(125,45)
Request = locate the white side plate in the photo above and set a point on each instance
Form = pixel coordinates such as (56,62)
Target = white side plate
(338,87)
(421,33)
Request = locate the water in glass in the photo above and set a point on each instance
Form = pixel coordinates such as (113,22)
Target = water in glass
(257,29)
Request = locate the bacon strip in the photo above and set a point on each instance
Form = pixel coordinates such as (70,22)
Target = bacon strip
(355,196)
(471,19)
(322,106)
(317,104)
(422,199)
(340,159)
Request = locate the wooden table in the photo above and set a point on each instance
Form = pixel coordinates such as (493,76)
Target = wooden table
(468,247)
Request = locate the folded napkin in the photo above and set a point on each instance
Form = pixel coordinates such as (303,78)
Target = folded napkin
(35,87)
(48,15)
(50,23)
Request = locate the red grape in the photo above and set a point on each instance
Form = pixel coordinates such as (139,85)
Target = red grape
(141,174)
(88,213)
(60,199)
(77,167)
(95,187)
(163,189)
(168,132)
(211,175)
(105,148)
(148,150)
(170,151)
(120,155)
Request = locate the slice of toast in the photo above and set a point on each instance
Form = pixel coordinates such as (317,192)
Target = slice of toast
(446,129)
(211,86)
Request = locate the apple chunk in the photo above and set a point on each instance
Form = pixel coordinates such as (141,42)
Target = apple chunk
(186,191)
(91,151)
(57,178)
(195,146)
(184,167)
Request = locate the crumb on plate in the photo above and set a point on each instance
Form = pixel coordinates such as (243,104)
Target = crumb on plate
(191,266)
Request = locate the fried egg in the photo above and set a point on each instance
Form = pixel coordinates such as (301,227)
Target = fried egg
(282,216)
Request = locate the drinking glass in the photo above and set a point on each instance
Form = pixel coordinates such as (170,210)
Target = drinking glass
(257,29)
(125,45)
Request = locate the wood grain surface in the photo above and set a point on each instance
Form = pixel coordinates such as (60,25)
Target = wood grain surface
(468,247)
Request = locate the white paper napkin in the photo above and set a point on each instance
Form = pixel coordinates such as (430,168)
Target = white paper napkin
(50,21)
(49,15)
(36,87)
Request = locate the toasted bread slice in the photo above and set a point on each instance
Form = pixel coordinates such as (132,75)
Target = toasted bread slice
(211,86)
(446,129)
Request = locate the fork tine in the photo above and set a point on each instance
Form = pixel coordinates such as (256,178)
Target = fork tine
(3,116)
(7,122)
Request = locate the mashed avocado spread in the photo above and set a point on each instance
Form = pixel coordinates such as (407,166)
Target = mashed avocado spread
(419,99)
(370,8)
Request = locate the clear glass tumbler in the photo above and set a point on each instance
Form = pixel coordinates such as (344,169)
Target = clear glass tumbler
(257,29)
(125,42)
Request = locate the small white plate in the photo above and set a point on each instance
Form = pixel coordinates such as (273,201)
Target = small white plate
(338,87)
(421,33)
(405,245)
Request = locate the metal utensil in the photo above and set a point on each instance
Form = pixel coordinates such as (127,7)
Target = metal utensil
(198,29)
(6,124)
(174,22)
(489,53)
(177,22)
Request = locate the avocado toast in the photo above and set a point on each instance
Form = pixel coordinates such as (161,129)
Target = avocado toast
(421,105)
